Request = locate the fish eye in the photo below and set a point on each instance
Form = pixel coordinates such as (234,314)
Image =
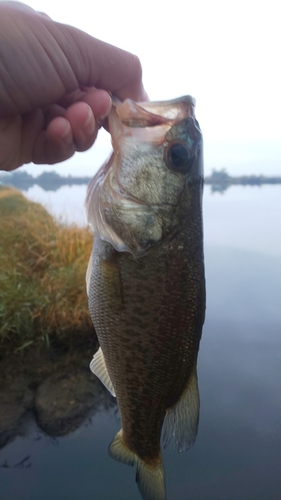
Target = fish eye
(178,158)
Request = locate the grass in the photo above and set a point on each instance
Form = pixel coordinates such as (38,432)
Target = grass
(42,274)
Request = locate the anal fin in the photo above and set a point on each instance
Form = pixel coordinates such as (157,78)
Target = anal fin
(98,367)
(182,419)
(120,452)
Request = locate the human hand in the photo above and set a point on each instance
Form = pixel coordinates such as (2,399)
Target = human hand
(55,82)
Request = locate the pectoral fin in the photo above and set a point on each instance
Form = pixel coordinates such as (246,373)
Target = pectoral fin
(98,367)
(88,274)
(182,419)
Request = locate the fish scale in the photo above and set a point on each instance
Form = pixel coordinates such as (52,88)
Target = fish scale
(146,286)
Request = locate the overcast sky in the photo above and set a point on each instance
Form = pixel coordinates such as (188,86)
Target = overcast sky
(224,53)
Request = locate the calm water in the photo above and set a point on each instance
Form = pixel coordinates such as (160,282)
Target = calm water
(237,454)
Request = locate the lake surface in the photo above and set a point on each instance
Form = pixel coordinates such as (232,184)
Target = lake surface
(237,454)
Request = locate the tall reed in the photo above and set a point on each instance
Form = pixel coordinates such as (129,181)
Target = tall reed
(42,274)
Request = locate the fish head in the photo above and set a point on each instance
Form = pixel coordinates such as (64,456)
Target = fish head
(141,195)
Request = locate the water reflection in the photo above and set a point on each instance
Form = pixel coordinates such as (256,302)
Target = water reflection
(245,218)
(58,392)
(237,454)
(66,204)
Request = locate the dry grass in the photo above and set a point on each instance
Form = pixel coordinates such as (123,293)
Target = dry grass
(42,273)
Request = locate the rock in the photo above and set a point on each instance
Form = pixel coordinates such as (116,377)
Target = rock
(64,400)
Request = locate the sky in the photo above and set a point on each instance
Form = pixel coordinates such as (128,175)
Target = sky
(224,53)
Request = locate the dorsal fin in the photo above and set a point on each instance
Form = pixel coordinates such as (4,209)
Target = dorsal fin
(181,420)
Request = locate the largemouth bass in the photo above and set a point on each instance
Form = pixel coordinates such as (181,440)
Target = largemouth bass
(145,280)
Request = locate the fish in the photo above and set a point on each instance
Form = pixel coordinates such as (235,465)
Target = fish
(146,282)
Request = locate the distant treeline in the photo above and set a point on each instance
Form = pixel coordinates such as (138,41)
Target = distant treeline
(220,180)
(49,181)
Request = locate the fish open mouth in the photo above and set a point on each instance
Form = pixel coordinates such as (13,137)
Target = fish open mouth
(136,120)
(151,114)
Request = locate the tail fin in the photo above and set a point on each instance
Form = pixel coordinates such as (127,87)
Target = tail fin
(150,478)
(151,481)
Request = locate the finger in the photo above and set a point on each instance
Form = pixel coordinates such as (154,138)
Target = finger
(83,125)
(43,14)
(102,65)
(18,134)
(74,129)
(100,103)
(55,60)
(99,100)
(55,144)
(24,140)
(10,133)
(79,127)
(86,117)
(51,112)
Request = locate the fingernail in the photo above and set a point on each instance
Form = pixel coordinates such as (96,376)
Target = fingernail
(90,123)
(106,113)
(67,134)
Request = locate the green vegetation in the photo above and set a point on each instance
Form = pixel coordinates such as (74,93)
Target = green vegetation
(42,275)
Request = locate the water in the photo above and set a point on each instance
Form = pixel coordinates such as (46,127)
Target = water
(237,454)
(66,203)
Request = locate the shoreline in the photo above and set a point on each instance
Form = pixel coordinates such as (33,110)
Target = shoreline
(51,181)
